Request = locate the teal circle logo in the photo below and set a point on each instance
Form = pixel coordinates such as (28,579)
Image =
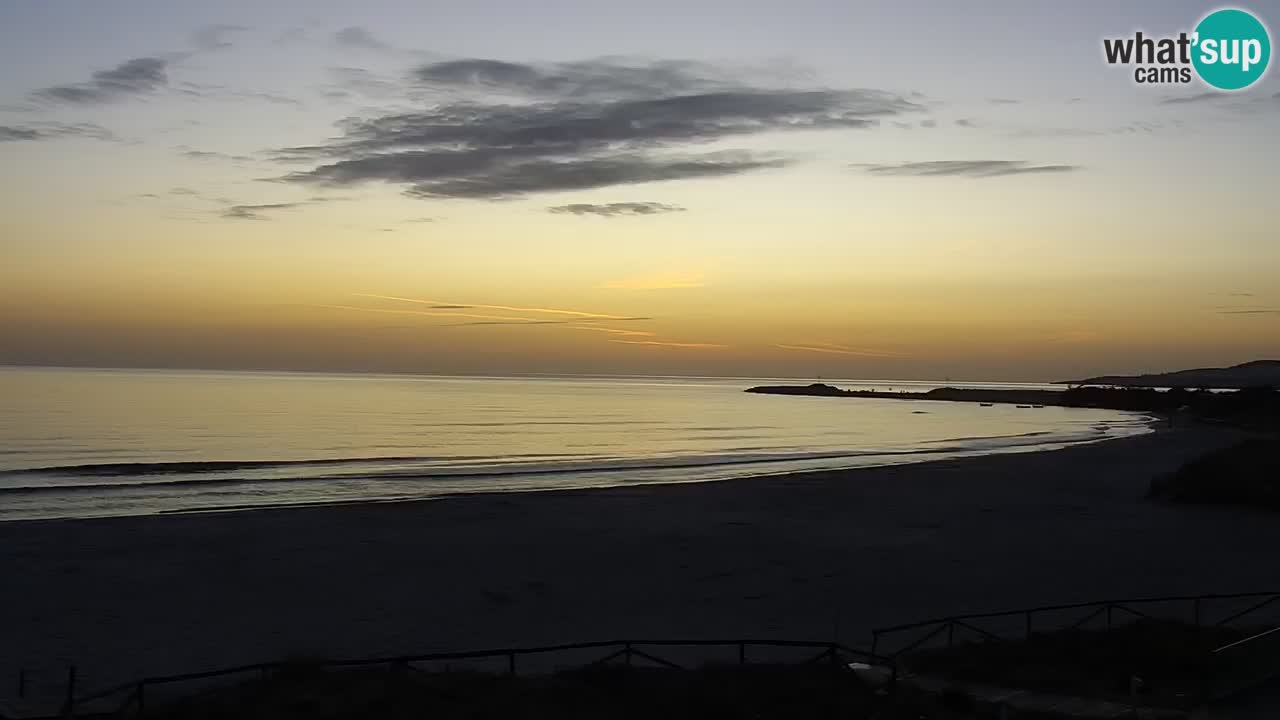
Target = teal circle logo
(1231,49)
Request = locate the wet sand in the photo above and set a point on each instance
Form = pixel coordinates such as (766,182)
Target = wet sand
(798,556)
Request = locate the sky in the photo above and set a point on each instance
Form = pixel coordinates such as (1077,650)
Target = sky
(839,189)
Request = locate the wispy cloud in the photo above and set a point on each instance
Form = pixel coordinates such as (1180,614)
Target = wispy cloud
(502,319)
(256,212)
(835,349)
(486,320)
(617,209)
(213,155)
(354,81)
(139,76)
(513,308)
(591,124)
(967,168)
(663,343)
(36,131)
(215,37)
(658,281)
(360,38)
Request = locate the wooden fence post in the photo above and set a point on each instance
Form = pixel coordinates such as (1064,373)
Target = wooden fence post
(69,708)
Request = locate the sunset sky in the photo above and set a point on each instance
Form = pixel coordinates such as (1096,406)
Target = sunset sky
(875,190)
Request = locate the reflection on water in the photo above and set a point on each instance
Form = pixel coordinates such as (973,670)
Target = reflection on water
(108,442)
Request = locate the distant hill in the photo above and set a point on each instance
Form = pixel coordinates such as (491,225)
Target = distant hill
(1259,373)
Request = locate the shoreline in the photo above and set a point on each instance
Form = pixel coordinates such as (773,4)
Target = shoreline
(1153,425)
(827,553)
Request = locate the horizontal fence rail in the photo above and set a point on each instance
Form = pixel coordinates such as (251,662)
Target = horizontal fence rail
(1227,671)
(1193,609)
(133,695)
(1261,652)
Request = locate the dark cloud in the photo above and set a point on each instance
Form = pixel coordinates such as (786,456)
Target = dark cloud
(486,175)
(610,125)
(1003,101)
(52,131)
(966,122)
(967,168)
(215,37)
(590,78)
(618,209)
(358,37)
(138,76)
(255,212)
(1259,311)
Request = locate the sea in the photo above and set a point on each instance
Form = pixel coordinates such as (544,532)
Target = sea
(78,443)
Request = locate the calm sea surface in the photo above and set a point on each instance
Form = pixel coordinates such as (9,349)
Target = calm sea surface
(82,443)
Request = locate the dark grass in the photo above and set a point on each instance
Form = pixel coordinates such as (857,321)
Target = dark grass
(1247,473)
(607,691)
(1170,657)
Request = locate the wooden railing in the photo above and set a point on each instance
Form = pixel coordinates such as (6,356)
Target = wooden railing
(132,697)
(1228,670)
(1231,668)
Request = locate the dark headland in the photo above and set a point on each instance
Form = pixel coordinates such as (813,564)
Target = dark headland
(1257,407)
(1259,373)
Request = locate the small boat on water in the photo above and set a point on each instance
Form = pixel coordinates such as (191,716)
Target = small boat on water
(1037,406)
(985,404)
(1025,407)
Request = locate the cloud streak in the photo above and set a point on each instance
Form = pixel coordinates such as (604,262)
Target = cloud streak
(967,168)
(215,37)
(613,210)
(359,38)
(256,212)
(840,350)
(38,131)
(513,308)
(139,76)
(662,343)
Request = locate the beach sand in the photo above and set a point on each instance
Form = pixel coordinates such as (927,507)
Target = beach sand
(799,556)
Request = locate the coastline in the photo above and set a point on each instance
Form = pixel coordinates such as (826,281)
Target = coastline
(821,554)
(588,477)
(741,470)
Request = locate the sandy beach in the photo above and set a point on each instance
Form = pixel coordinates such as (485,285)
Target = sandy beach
(808,555)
